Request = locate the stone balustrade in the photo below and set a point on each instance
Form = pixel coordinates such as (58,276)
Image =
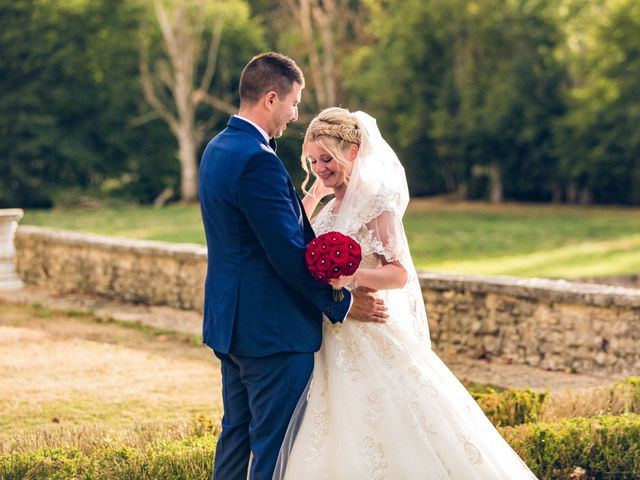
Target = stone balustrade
(552,324)
(9,218)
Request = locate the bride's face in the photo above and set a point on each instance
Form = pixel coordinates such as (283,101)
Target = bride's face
(327,168)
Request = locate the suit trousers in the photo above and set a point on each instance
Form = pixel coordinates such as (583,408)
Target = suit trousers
(259,396)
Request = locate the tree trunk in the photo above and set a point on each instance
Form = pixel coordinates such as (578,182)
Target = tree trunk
(556,192)
(188,167)
(586,196)
(495,181)
(572,192)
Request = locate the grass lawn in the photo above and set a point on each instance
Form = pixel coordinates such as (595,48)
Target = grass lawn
(511,239)
(61,371)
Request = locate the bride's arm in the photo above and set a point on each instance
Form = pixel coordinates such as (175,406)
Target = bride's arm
(309,202)
(313,197)
(388,231)
(387,277)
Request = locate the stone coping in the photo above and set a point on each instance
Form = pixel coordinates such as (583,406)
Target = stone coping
(561,291)
(11,212)
(148,247)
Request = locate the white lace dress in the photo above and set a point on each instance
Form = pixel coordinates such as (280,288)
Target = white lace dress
(382,405)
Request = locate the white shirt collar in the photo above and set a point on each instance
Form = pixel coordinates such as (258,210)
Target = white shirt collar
(264,134)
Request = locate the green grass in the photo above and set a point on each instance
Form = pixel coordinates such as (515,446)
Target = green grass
(526,240)
(174,223)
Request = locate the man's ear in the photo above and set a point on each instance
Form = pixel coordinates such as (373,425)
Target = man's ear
(269,99)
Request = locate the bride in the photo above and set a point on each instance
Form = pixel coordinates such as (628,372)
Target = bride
(381,404)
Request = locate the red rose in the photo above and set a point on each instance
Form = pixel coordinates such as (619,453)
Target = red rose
(335,238)
(334,272)
(350,267)
(323,264)
(339,254)
(354,250)
(311,255)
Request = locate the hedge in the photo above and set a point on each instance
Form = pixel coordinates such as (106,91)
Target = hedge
(512,406)
(607,447)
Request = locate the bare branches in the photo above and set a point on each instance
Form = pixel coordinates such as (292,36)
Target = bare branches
(183,32)
(302,12)
(152,98)
(324,31)
(212,57)
(218,104)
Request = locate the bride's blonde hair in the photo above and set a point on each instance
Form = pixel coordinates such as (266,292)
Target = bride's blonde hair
(334,129)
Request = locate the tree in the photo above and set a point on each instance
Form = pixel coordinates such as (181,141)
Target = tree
(65,96)
(179,82)
(466,89)
(598,140)
(321,37)
(510,93)
(405,77)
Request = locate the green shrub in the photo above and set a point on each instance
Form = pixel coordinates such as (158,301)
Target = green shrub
(607,447)
(634,383)
(512,406)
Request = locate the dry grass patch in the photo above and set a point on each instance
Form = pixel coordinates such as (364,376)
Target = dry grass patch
(67,369)
(617,399)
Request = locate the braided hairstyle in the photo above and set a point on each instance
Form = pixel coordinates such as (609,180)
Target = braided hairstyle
(335,130)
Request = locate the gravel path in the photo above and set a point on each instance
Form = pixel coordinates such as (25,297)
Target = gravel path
(493,372)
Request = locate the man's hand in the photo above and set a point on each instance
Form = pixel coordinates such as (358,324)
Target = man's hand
(366,307)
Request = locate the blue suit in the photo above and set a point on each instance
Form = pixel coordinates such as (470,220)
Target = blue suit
(262,311)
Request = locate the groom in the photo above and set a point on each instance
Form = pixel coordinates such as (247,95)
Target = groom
(263,311)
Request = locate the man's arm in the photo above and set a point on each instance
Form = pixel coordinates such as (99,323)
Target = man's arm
(264,198)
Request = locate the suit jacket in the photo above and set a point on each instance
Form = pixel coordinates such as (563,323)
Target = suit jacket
(259,296)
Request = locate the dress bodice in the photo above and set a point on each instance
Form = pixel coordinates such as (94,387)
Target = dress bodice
(370,245)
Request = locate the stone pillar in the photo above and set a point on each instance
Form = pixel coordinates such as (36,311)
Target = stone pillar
(9,218)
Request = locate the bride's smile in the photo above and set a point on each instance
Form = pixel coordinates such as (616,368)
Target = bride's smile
(333,171)
(325,166)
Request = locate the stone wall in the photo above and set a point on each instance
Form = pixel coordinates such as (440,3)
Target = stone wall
(137,271)
(552,324)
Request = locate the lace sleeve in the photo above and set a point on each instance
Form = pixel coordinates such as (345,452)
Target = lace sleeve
(386,236)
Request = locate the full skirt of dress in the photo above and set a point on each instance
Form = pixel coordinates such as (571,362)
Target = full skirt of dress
(382,405)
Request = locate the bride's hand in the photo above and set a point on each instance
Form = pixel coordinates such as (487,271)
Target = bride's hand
(318,190)
(343,281)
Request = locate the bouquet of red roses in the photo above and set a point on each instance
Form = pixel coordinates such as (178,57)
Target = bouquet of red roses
(332,255)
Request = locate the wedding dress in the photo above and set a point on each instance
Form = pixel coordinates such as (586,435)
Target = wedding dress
(381,404)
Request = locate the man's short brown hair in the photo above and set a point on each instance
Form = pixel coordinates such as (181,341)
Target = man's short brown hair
(268,72)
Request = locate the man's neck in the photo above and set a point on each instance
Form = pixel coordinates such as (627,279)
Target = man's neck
(251,115)
(261,129)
